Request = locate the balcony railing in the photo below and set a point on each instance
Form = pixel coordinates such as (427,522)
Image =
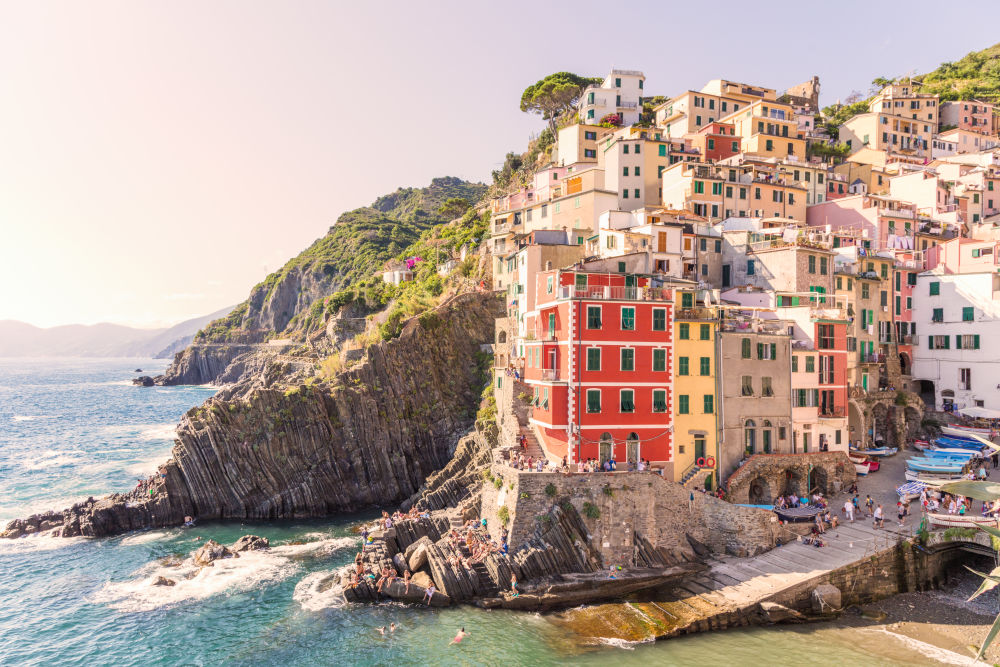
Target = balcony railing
(550,374)
(836,411)
(616,293)
(871,358)
(695,314)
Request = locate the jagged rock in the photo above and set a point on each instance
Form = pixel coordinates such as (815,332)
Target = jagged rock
(250,543)
(421,579)
(425,541)
(399,561)
(163,581)
(418,558)
(826,598)
(776,613)
(370,438)
(211,551)
(143,381)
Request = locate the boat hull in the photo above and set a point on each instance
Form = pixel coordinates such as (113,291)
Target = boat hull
(960,521)
(915,476)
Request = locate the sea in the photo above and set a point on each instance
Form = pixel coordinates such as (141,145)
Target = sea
(73,428)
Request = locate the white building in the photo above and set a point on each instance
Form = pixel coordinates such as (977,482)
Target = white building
(620,93)
(957,318)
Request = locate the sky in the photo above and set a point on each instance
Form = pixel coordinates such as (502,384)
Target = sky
(158,159)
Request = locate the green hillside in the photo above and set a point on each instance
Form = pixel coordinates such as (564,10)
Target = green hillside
(976,76)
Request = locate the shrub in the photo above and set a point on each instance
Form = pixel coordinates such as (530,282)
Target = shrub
(504,515)
(498,482)
(525,495)
(591,511)
(900,398)
(608,491)
(550,490)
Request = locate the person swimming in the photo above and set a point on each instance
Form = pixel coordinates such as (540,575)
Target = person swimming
(381,630)
(392,627)
(462,634)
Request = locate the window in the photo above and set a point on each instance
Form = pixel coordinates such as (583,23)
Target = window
(593,316)
(967,342)
(745,352)
(767,351)
(627,400)
(864,291)
(812,263)
(684,331)
(795,364)
(589,152)
(548,285)
(747,388)
(625,193)
(968,313)
(810,364)
(706,332)
(659,359)
(624,171)
(682,365)
(636,193)
(593,358)
(736,147)
(769,145)
(751,269)
(716,190)
(718,246)
(709,404)
(938,315)
(659,319)
(823,265)
(621,267)
(687,300)
(699,187)
(965,378)
(593,400)
(590,135)
(935,289)
(659,400)
(628,359)
(663,150)
(884,271)
(628,319)
(682,404)
(711,144)
(938,342)
(706,366)
(825,341)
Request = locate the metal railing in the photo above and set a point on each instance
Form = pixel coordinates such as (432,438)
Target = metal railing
(550,374)
(616,293)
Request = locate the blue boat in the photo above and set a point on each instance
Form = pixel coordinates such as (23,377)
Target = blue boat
(949,443)
(959,454)
(934,465)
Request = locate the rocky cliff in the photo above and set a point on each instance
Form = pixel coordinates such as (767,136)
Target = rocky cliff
(369,437)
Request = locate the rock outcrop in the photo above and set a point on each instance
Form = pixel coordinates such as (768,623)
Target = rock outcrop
(370,438)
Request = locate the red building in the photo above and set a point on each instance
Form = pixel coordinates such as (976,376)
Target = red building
(904,281)
(716,141)
(599,359)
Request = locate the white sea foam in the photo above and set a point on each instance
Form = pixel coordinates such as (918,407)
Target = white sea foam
(930,651)
(252,569)
(158,432)
(54,459)
(31,418)
(144,538)
(319,590)
(38,543)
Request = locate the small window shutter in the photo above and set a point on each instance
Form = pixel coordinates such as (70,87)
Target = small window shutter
(947,342)
(975,342)
(774,351)
(760,350)
(930,342)
(958,342)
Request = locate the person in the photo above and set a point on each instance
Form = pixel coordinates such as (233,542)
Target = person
(513,585)
(849,511)
(381,630)
(406,580)
(832,518)
(392,627)
(820,528)
(869,505)
(856,503)
(900,512)
(429,595)
(854,488)
(878,518)
(462,634)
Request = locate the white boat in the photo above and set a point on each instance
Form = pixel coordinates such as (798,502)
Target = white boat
(964,431)
(960,521)
(862,468)
(915,476)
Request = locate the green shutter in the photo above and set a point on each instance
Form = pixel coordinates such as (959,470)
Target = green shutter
(975,342)
(760,350)
(795,364)
(709,404)
(774,351)
(935,289)
(706,366)
(947,342)
(682,365)
(930,342)
(682,404)
(958,342)
(659,360)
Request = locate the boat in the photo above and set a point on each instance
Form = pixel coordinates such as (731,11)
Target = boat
(929,477)
(960,520)
(910,490)
(934,465)
(872,466)
(960,434)
(881,451)
(920,445)
(862,468)
(958,429)
(957,454)
(951,443)
(794,514)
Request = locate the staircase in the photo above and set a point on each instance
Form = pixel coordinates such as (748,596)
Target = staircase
(695,478)
(534,449)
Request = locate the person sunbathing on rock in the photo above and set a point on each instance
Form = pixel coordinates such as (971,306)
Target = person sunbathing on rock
(428,594)
(406,580)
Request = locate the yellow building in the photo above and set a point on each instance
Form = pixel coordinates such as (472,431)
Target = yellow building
(696,401)
(745,190)
(768,129)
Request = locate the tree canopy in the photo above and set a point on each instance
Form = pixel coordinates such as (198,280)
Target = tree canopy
(554,95)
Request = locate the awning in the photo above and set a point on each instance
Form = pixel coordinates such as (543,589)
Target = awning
(980,413)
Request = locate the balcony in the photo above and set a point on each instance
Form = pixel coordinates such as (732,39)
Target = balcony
(833,412)
(695,314)
(550,374)
(616,293)
(871,358)
(627,105)
(910,339)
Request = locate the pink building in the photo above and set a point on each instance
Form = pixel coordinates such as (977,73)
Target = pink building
(968,115)
(963,255)
(883,221)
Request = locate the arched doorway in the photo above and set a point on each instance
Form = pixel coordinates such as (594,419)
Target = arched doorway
(904,363)
(793,482)
(855,423)
(760,492)
(502,337)
(750,437)
(883,426)
(632,448)
(606,448)
(765,436)
(818,480)
(927,393)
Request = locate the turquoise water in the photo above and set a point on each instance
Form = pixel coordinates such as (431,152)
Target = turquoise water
(69,429)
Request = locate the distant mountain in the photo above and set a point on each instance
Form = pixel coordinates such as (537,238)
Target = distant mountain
(18,339)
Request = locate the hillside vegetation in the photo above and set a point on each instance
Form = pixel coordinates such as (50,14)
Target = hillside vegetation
(976,76)
(350,254)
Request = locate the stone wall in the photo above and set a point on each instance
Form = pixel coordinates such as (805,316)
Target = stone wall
(765,476)
(630,507)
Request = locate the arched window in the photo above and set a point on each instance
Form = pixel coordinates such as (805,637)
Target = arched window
(606,448)
(502,337)
(632,448)
(750,437)
(548,266)
(765,436)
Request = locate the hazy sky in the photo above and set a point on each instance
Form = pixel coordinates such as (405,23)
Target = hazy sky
(157,159)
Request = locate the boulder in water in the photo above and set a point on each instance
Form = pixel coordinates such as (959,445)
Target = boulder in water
(416,557)
(422,579)
(211,551)
(143,381)
(250,543)
(163,581)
